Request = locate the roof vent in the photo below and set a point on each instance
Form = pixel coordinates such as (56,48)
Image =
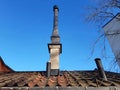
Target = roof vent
(100,69)
(48,67)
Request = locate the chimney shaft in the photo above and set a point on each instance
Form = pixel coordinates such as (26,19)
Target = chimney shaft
(55,38)
(55,47)
(100,69)
(55,26)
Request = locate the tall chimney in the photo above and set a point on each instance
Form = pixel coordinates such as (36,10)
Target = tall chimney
(55,47)
(100,69)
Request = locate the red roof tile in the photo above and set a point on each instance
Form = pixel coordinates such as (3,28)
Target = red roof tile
(67,78)
(4,67)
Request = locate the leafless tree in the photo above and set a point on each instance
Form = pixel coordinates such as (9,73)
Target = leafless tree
(99,13)
(102,10)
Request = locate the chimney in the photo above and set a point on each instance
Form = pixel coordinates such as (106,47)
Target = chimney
(100,69)
(55,47)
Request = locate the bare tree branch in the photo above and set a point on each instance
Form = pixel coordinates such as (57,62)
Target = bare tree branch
(99,13)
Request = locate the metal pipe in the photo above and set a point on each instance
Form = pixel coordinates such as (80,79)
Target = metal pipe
(48,69)
(100,69)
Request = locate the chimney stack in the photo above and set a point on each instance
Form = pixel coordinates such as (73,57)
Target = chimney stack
(100,69)
(55,47)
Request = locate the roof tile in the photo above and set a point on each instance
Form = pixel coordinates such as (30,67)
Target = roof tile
(65,79)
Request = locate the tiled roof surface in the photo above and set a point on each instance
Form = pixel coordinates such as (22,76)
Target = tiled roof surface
(66,78)
(4,67)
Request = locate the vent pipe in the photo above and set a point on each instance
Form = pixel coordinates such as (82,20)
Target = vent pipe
(48,69)
(100,69)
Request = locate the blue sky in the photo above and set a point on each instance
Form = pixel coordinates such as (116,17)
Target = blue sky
(26,27)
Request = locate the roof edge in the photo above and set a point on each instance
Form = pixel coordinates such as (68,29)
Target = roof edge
(110,20)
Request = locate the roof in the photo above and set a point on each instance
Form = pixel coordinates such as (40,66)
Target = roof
(4,67)
(65,79)
(117,15)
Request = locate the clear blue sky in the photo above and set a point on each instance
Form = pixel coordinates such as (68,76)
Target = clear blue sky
(26,27)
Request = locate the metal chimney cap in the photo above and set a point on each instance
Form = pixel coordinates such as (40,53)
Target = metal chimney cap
(97,59)
(55,7)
